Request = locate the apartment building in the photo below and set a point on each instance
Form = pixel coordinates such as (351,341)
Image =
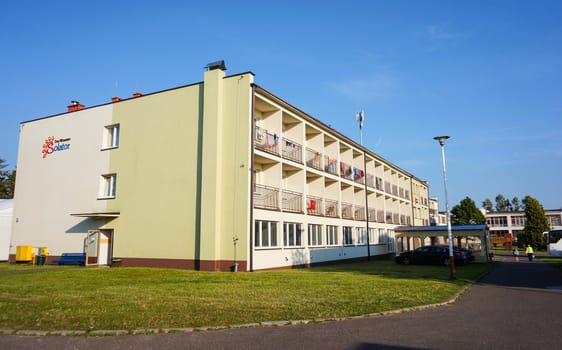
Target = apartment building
(216,175)
(505,226)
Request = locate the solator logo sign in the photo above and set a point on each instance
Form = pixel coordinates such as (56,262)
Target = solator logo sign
(52,145)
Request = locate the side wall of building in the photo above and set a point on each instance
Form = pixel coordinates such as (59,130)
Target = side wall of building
(64,180)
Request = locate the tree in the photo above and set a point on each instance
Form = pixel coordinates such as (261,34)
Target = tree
(535,224)
(487,204)
(7,181)
(516,204)
(466,213)
(502,203)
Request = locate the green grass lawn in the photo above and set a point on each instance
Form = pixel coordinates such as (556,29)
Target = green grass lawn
(47,298)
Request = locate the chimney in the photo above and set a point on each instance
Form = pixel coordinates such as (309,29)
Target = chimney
(115,99)
(75,106)
(137,94)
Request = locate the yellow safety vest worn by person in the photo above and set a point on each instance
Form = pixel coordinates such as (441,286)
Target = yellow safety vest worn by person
(529,250)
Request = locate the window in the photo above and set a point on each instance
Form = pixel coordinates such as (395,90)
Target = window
(108,186)
(314,235)
(347,235)
(390,240)
(111,136)
(265,234)
(372,236)
(331,235)
(360,235)
(383,236)
(292,234)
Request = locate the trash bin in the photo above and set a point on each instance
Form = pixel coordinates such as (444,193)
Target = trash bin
(40,260)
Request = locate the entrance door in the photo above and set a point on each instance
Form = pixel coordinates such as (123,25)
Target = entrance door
(92,247)
(104,256)
(98,247)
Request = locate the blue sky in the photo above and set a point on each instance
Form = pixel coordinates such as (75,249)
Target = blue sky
(487,73)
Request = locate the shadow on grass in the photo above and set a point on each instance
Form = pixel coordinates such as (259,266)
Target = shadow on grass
(390,269)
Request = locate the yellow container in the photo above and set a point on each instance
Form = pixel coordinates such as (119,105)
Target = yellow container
(24,253)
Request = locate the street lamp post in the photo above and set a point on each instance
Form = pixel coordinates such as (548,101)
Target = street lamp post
(441,140)
(360,117)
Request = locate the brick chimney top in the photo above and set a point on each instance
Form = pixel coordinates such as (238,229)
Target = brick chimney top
(75,106)
(115,99)
(137,94)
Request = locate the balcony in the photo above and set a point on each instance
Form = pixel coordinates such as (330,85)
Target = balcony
(266,197)
(291,201)
(314,205)
(378,183)
(291,150)
(346,171)
(387,187)
(331,165)
(331,208)
(372,217)
(266,141)
(380,215)
(370,180)
(359,213)
(347,211)
(313,159)
(358,176)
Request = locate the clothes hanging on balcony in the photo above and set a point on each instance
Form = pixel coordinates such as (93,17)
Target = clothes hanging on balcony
(271,140)
(312,204)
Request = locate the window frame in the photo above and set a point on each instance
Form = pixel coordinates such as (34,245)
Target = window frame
(315,235)
(332,235)
(111,136)
(292,234)
(108,186)
(272,234)
(347,235)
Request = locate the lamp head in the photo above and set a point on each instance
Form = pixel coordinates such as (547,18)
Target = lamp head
(441,139)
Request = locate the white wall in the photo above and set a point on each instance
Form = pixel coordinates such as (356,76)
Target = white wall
(49,189)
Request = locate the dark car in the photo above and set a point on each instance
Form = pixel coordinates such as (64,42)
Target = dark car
(431,255)
(468,253)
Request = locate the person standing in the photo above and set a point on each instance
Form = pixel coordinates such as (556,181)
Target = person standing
(530,252)
(516,254)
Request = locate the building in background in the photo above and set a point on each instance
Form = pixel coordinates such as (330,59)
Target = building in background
(216,175)
(6,217)
(505,226)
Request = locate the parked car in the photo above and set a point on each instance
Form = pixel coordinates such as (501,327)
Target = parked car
(468,253)
(431,255)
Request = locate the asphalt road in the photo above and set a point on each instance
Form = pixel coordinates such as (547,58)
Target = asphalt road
(516,306)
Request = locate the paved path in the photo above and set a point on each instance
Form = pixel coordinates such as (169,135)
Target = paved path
(517,306)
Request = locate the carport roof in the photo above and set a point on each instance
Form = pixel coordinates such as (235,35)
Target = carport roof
(459,230)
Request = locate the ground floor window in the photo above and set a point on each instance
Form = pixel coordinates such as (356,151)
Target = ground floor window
(390,239)
(383,236)
(347,235)
(331,235)
(314,235)
(372,236)
(265,234)
(360,235)
(292,234)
